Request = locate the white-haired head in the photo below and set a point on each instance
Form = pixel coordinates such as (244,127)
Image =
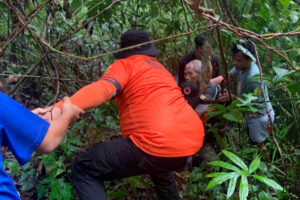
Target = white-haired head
(192,71)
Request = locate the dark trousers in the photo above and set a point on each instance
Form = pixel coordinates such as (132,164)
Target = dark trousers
(121,158)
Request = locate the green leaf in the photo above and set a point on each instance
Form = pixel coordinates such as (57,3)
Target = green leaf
(268,181)
(59,171)
(294,88)
(13,165)
(213,114)
(235,159)
(220,179)
(231,186)
(254,165)
(244,6)
(285,3)
(76,4)
(27,186)
(41,190)
(225,165)
(243,190)
(281,71)
(216,174)
(218,107)
(234,115)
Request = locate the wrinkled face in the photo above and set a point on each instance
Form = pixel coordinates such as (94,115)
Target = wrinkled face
(240,62)
(190,74)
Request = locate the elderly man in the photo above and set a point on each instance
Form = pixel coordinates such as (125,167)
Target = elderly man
(160,130)
(192,74)
(197,54)
(200,103)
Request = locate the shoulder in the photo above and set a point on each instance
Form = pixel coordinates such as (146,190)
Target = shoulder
(212,89)
(253,70)
(187,57)
(6,103)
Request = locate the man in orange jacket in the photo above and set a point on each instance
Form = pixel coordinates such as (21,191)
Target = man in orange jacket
(160,130)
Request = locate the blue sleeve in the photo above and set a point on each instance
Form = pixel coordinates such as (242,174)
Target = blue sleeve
(21,130)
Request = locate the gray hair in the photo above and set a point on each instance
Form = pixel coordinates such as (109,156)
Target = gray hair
(197,65)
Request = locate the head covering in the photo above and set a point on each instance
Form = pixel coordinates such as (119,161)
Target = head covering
(191,92)
(134,37)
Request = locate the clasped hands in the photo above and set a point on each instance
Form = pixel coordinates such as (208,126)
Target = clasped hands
(53,112)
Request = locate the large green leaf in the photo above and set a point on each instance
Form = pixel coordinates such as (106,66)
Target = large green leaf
(231,186)
(294,88)
(263,11)
(268,181)
(285,3)
(244,6)
(225,165)
(281,71)
(254,165)
(234,115)
(220,179)
(243,190)
(235,159)
(76,4)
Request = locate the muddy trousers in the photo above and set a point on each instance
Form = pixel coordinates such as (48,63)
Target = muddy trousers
(121,158)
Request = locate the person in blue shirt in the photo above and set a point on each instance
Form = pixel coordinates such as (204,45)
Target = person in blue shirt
(24,132)
(242,78)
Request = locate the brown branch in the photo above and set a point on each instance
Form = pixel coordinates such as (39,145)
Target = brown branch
(284,51)
(17,30)
(47,77)
(244,33)
(224,61)
(87,22)
(54,99)
(272,35)
(249,34)
(233,21)
(270,124)
(185,16)
(56,44)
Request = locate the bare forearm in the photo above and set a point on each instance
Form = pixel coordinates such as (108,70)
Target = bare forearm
(55,134)
(217,79)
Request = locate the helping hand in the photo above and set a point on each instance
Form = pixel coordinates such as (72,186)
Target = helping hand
(69,109)
(45,113)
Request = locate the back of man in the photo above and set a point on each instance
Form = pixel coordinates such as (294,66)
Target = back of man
(153,112)
(160,129)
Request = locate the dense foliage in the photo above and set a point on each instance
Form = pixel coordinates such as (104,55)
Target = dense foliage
(61,30)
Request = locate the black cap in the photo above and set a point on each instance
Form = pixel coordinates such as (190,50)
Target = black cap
(134,37)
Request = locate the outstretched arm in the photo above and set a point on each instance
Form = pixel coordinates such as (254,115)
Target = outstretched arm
(218,79)
(90,96)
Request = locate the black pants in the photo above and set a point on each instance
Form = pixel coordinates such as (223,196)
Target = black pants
(120,158)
